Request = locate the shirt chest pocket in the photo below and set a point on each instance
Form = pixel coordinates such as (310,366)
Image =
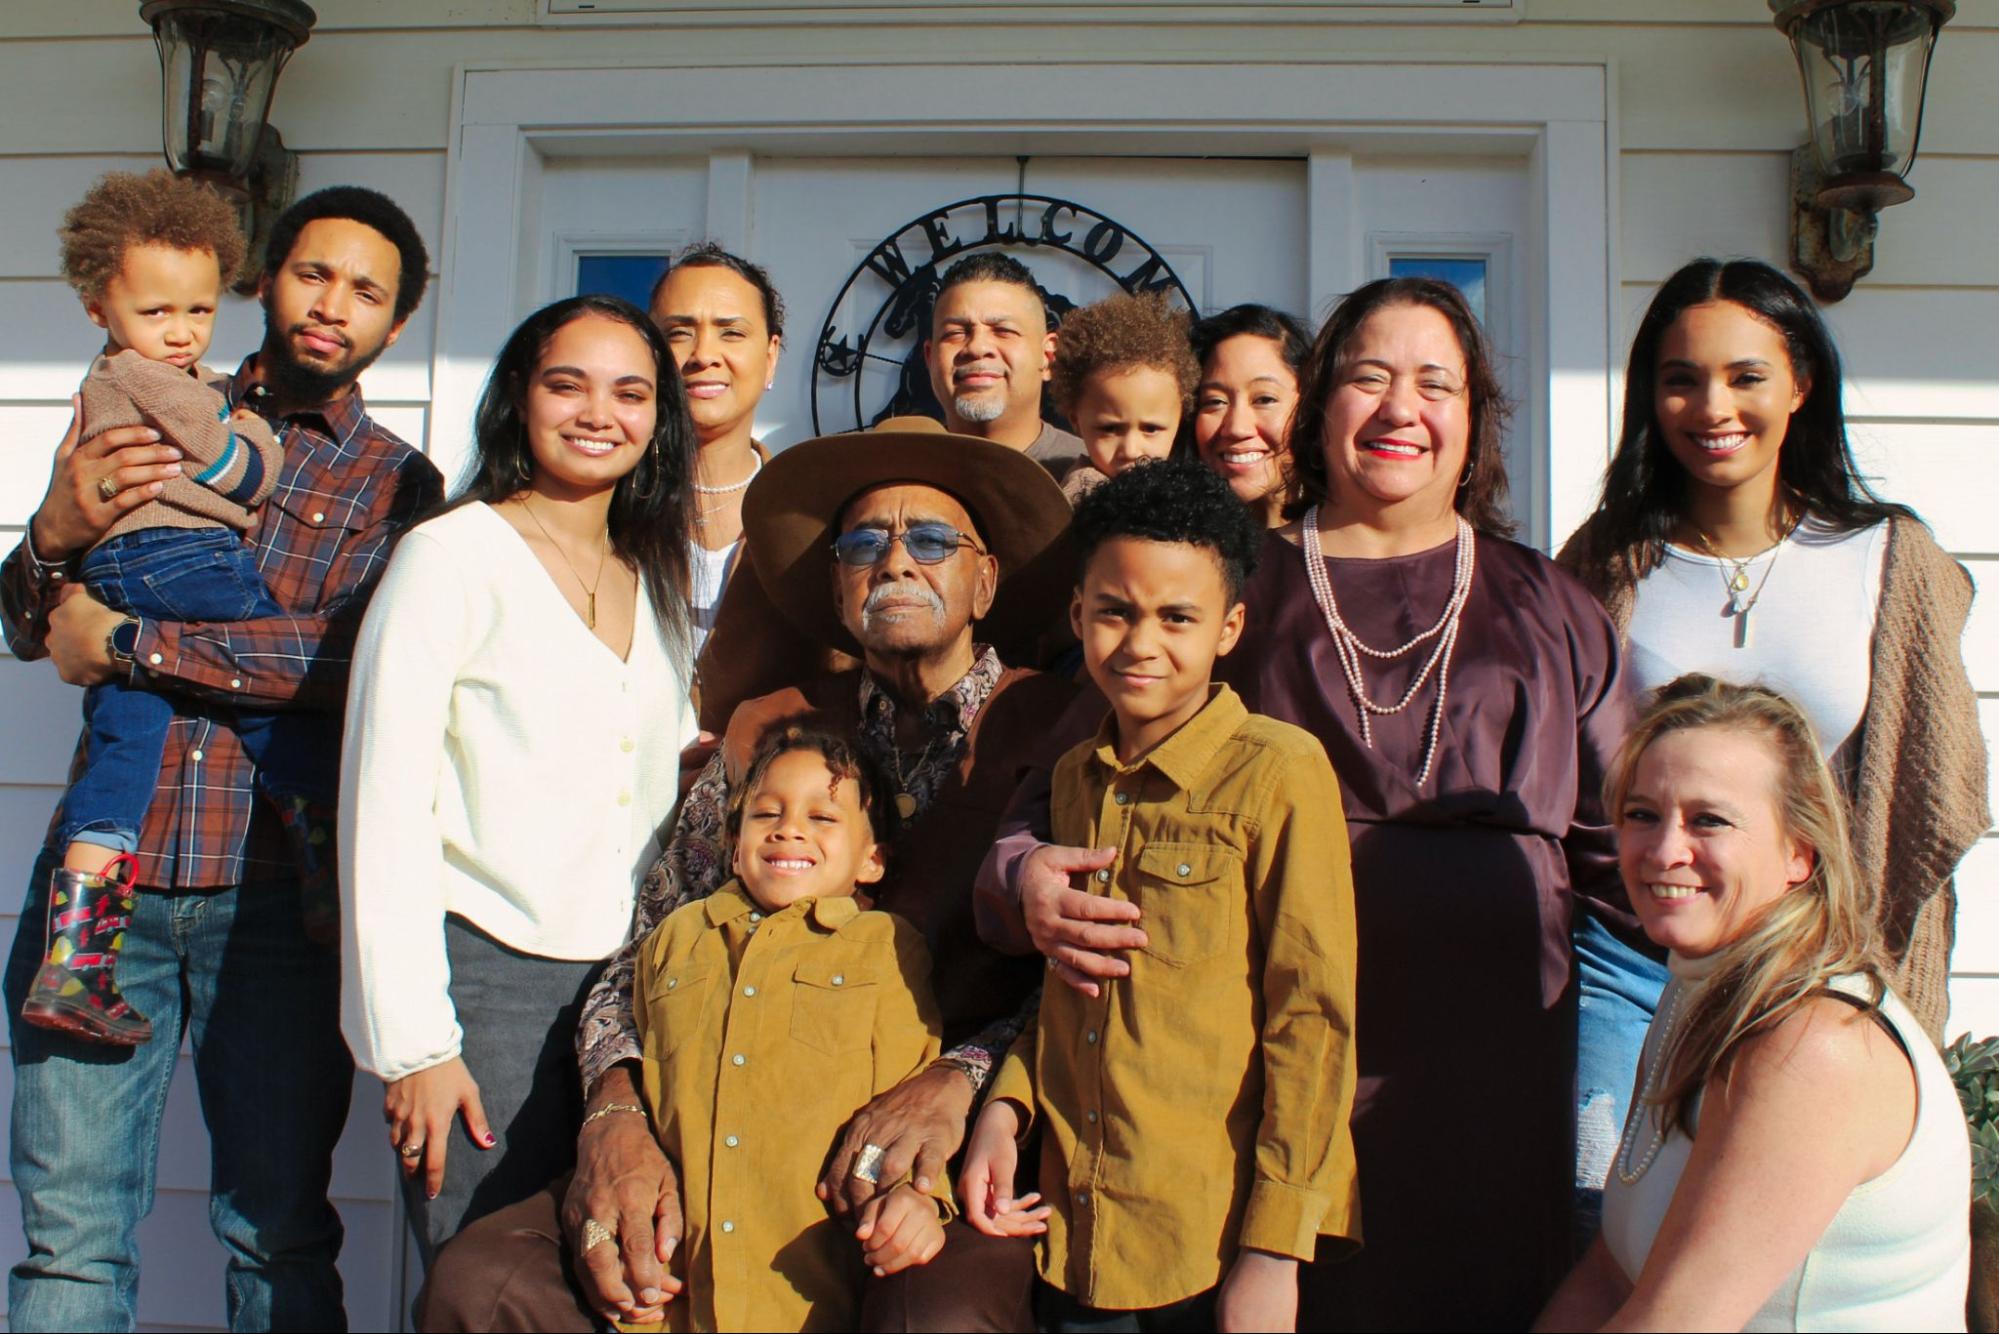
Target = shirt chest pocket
(833,1005)
(1191,897)
(678,1005)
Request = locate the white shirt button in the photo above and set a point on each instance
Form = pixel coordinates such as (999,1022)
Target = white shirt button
(739,1059)
(1104,876)
(672,982)
(1123,798)
(749,991)
(235,683)
(194,755)
(728,1226)
(155,659)
(839,979)
(319,516)
(756,917)
(1091,1037)
(731,1141)
(1184,870)
(1082,1198)
(1091,1117)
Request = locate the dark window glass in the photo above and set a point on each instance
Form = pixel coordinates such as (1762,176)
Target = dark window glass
(1467,275)
(628,276)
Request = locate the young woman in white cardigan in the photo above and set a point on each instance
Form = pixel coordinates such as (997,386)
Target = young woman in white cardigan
(518,705)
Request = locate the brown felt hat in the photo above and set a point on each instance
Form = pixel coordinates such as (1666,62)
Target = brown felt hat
(792,510)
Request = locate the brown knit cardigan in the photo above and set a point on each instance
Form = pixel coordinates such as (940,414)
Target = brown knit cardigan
(1918,782)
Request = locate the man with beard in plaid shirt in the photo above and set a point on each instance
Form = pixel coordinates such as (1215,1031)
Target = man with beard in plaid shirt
(218,945)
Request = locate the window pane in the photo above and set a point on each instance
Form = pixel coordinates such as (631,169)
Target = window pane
(628,276)
(1465,274)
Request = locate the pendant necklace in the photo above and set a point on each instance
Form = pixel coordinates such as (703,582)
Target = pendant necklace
(1735,577)
(1348,647)
(589,590)
(905,800)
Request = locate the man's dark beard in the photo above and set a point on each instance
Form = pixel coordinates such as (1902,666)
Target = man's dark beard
(302,386)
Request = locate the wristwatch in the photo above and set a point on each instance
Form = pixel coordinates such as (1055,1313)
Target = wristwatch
(123,642)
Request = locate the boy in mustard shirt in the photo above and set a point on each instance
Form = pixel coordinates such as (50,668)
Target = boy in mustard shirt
(768,1014)
(1193,1115)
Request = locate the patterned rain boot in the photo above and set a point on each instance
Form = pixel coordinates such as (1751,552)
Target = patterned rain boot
(309,829)
(76,988)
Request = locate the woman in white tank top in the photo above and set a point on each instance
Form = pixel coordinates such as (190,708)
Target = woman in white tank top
(1795,1157)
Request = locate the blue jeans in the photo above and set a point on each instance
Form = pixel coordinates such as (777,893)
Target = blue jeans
(1619,989)
(180,574)
(233,968)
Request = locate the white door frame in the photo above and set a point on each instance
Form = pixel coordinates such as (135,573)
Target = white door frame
(1556,117)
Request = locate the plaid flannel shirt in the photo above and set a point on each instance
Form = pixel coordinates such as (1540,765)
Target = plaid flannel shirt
(349,487)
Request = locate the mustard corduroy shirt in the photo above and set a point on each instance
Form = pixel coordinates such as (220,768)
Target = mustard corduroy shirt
(1200,1105)
(762,1034)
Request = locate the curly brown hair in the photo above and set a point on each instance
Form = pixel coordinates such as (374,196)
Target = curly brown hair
(1123,332)
(126,208)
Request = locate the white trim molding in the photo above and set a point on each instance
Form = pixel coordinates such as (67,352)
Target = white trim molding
(687,13)
(1555,117)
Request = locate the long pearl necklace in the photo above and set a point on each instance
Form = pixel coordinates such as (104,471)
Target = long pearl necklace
(1645,1111)
(1349,647)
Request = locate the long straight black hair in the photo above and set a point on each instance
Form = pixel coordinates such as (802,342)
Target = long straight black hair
(652,506)
(1645,490)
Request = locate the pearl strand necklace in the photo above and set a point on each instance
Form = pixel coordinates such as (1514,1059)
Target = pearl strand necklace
(1644,1110)
(1349,648)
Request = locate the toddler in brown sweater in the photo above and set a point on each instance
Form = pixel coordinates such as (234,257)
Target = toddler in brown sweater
(1124,375)
(149,256)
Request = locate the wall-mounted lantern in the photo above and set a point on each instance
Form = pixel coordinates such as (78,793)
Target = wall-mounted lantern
(1865,64)
(219,64)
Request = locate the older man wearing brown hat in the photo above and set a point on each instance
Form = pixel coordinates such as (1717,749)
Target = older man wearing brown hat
(889,544)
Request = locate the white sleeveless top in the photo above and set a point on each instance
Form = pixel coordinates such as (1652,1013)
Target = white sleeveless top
(1812,626)
(1897,1255)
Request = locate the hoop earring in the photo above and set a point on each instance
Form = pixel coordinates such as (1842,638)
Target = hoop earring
(1465,480)
(652,456)
(524,468)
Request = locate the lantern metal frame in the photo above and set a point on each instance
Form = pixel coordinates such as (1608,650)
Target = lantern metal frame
(1835,219)
(267,186)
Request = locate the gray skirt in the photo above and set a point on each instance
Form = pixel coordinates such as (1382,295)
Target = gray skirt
(519,1013)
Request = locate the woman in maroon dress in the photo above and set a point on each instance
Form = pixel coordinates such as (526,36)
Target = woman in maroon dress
(1469,694)
(1470,697)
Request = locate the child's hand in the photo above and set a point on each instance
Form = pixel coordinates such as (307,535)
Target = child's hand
(986,1183)
(1260,1293)
(906,1232)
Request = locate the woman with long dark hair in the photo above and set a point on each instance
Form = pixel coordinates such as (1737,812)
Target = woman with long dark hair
(1737,538)
(519,702)
(1251,357)
(1470,697)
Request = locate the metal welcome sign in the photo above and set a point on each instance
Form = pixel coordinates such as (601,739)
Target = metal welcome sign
(869,361)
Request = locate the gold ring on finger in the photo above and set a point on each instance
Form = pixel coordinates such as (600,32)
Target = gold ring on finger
(595,1234)
(411,1151)
(107,489)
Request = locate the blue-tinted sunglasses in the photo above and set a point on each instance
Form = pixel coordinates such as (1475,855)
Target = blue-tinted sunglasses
(926,543)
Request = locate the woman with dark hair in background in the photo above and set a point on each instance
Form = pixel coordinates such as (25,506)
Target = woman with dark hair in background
(1469,695)
(725,323)
(1250,359)
(1736,538)
(519,702)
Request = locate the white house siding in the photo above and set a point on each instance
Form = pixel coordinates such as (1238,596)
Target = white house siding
(1707,109)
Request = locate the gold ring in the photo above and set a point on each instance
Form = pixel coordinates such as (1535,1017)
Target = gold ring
(107,488)
(595,1234)
(868,1167)
(411,1151)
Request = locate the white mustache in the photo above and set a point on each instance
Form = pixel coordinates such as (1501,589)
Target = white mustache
(927,596)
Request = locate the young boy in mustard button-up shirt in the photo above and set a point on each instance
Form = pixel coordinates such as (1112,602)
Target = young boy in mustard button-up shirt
(768,1014)
(1193,1115)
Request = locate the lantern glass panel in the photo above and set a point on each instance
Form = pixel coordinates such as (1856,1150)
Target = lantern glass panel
(219,74)
(1864,66)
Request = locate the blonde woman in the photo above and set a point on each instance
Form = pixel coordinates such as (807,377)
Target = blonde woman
(1795,1157)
